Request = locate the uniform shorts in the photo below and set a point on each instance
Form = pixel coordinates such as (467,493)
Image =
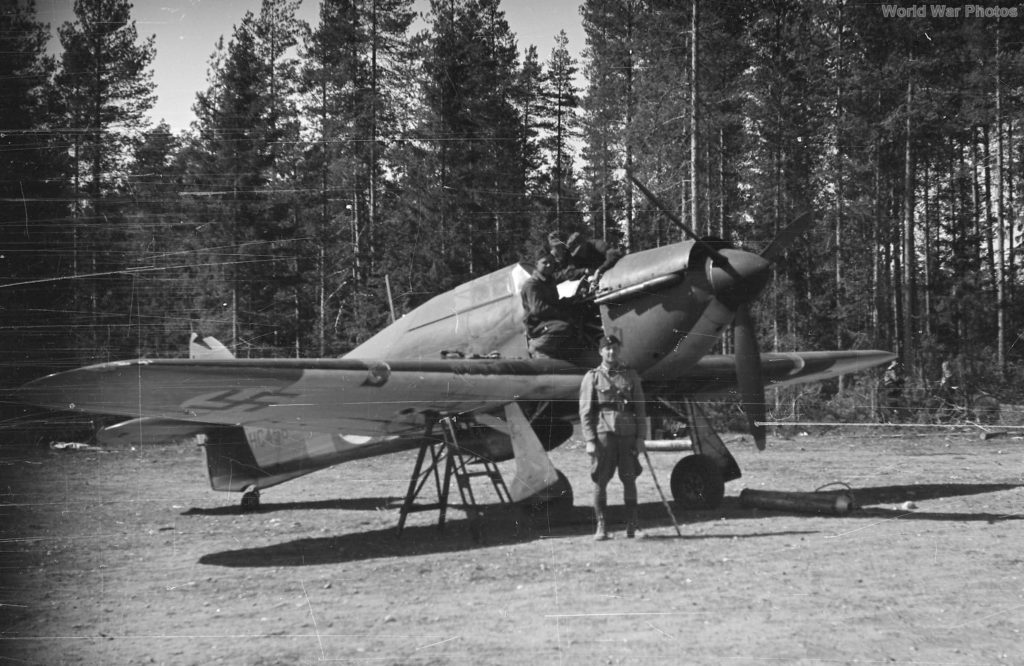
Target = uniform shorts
(614,452)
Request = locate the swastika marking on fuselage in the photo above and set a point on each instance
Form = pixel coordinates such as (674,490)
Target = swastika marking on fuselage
(246,400)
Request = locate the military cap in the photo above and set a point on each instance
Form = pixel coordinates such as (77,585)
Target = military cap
(608,341)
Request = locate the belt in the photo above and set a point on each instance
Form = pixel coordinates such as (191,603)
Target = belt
(614,406)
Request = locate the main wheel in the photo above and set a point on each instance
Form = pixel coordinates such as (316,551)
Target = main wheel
(557,497)
(696,483)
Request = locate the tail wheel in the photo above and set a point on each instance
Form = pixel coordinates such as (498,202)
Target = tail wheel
(251,500)
(697,484)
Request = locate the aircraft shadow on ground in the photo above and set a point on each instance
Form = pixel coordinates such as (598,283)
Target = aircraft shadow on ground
(869,498)
(350,504)
(499,525)
(871,501)
(503,525)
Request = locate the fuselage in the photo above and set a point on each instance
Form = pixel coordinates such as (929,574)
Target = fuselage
(666,304)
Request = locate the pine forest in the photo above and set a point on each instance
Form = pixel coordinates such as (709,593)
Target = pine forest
(382,155)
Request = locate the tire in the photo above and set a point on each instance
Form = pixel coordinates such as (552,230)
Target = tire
(251,501)
(557,498)
(697,484)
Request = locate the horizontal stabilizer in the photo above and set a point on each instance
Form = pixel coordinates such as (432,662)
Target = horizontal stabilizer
(147,431)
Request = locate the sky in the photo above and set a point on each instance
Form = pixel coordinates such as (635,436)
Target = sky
(186,31)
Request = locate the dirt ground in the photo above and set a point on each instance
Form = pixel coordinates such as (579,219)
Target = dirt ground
(126,556)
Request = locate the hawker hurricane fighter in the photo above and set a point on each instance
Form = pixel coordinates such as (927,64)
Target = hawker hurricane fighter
(457,370)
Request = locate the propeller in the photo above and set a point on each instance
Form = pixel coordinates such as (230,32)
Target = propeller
(748,354)
(781,243)
(748,374)
(719,260)
(749,378)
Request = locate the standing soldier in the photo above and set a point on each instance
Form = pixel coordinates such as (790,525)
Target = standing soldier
(892,384)
(613,417)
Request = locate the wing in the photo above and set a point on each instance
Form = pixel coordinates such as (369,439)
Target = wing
(351,396)
(714,374)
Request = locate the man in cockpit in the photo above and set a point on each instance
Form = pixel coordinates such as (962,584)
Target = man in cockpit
(548,318)
(559,251)
(591,255)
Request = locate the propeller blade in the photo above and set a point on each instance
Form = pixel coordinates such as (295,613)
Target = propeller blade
(748,374)
(666,211)
(717,257)
(781,243)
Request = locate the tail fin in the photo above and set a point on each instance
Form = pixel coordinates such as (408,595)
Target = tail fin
(207,348)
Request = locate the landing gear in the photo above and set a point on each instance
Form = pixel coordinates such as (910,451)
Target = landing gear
(557,497)
(697,483)
(251,500)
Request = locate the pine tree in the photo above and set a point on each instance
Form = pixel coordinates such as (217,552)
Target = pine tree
(562,128)
(534,112)
(33,237)
(472,68)
(107,85)
(107,79)
(353,94)
(245,166)
(610,107)
(160,239)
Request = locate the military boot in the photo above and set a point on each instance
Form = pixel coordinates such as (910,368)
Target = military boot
(600,505)
(601,534)
(632,529)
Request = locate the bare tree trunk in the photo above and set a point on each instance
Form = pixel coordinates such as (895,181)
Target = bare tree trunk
(604,189)
(371,212)
(708,199)
(694,114)
(986,224)
(234,318)
(321,268)
(297,306)
(909,346)
(722,202)
(876,242)
(357,238)
(1011,221)
(777,203)
(926,310)
(840,203)
(960,167)
(1001,229)
(975,189)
